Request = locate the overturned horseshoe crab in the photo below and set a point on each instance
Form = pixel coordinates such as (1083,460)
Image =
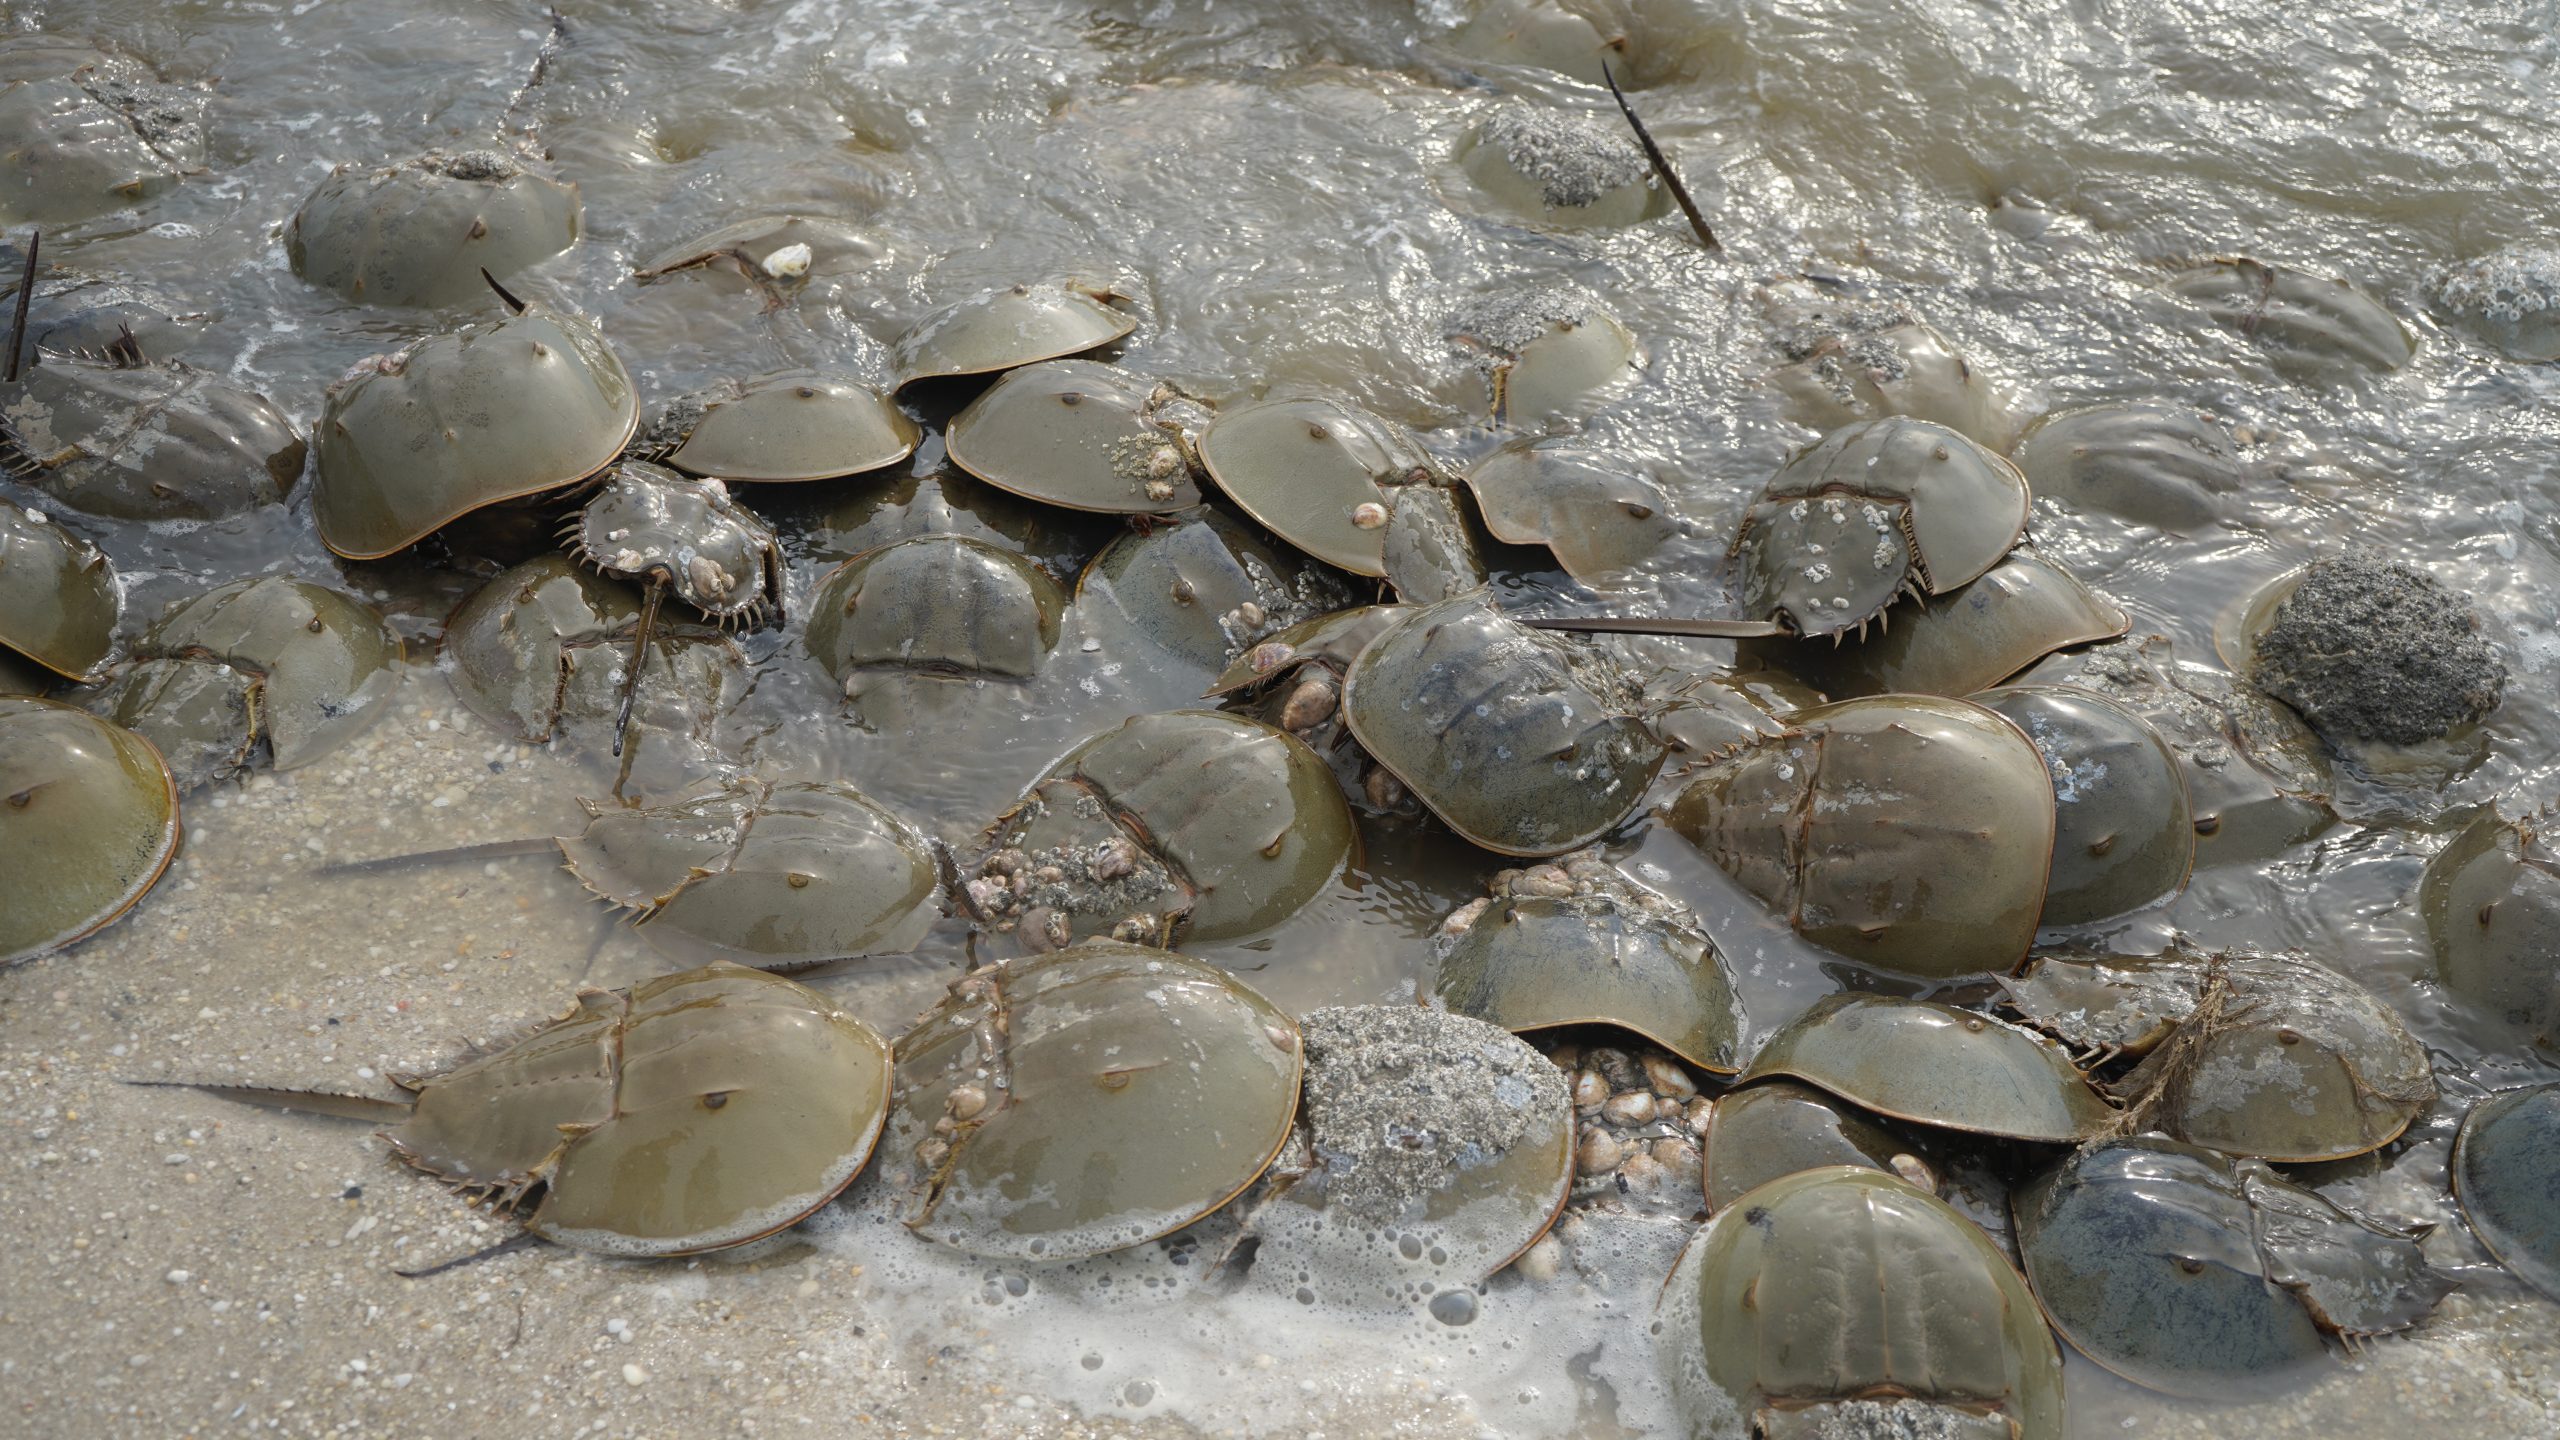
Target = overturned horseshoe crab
(1067,1105)
(88,821)
(1843,1301)
(1082,435)
(688,1113)
(2197,1274)
(421,232)
(1019,325)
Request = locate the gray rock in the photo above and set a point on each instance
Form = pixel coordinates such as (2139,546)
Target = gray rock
(2370,649)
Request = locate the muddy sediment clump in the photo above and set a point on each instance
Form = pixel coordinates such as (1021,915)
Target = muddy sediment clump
(2370,649)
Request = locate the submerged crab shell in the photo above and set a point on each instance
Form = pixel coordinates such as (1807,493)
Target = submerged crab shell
(795,425)
(154,442)
(1161,598)
(1598,518)
(2164,466)
(1762,1132)
(1000,329)
(1536,963)
(516,650)
(1077,434)
(1926,379)
(200,714)
(2183,1270)
(326,662)
(1136,1090)
(2492,907)
(754,240)
(70,156)
(1935,1064)
(1304,468)
(2506,1173)
(88,821)
(58,596)
(1558,375)
(764,874)
(2123,835)
(1486,722)
(687,534)
(936,602)
(2306,324)
(487,413)
(1841,1284)
(1908,832)
(693,1112)
(1954,644)
(414,234)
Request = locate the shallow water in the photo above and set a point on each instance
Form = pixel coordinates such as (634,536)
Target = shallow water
(1274,184)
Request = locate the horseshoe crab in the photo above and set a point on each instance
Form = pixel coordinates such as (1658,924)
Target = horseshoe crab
(2491,898)
(790,425)
(2307,325)
(1317,471)
(1844,1301)
(1560,167)
(424,230)
(1067,1105)
(767,253)
(2021,610)
(2197,1274)
(688,1113)
(2509,297)
(2270,1056)
(1541,33)
(297,666)
(1578,942)
(2165,466)
(129,439)
(1184,600)
(88,821)
(1907,832)
(1776,1128)
(1598,518)
(1852,360)
(1084,436)
(1432,1150)
(2506,1173)
(1434,547)
(93,139)
(1019,325)
(58,595)
(2123,835)
(538,393)
(1545,353)
(945,604)
(1294,680)
(1522,743)
(763,873)
(1930,1063)
(945,500)
(1189,825)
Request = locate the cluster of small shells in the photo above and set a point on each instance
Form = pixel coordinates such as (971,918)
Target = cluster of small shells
(1642,1127)
(1584,872)
(1028,895)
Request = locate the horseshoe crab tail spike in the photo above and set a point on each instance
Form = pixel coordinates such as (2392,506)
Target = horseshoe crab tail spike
(1662,165)
(26,292)
(639,654)
(518,1241)
(305,1102)
(1642,625)
(489,850)
(514,305)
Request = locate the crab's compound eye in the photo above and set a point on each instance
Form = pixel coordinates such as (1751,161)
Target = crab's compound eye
(715,1099)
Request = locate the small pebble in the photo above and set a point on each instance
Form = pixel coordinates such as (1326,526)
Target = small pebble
(634,1375)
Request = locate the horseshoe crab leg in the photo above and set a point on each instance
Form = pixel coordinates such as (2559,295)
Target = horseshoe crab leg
(639,655)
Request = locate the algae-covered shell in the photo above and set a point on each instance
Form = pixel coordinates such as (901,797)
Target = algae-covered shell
(1599,518)
(1868,511)
(1317,471)
(943,603)
(1079,434)
(58,596)
(791,425)
(1547,353)
(2123,835)
(1849,374)
(689,1113)
(2021,610)
(325,663)
(1908,832)
(1561,167)
(542,646)
(1190,823)
(2509,297)
(1533,963)
(2193,1273)
(2491,898)
(1438,1148)
(2165,466)
(146,442)
(2506,1173)
(1845,1301)
(1758,1133)
(1524,744)
(764,873)
(414,440)
(70,155)
(648,522)
(88,820)
(1936,1064)
(1093,1099)
(1174,598)
(420,232)
(1017,325)
(2307,324)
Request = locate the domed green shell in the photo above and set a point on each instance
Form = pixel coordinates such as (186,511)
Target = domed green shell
(943,603)
(2491,898)
(420,232)
(1935,1064)
(2506,1173)
(1759,1133)
(88,821)
(1598,517)
(1317,471)
(2123,834)
(1079,434)
(2021,610)
(1018,325)
(146,442)
(58,595)
(791,425)
(2164,466)
(1533,963)
(69,155)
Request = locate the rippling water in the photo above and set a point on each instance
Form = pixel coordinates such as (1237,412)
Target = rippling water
(1275,185)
